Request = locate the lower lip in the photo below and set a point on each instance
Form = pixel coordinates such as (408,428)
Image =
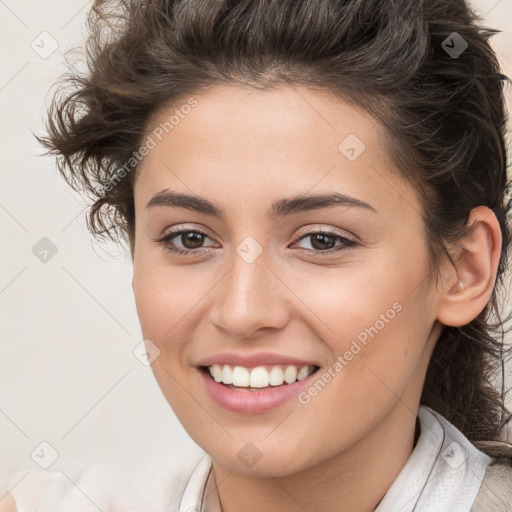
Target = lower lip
(252,402)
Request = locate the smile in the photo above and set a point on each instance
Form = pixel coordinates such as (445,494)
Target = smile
(259,377)
(255,390)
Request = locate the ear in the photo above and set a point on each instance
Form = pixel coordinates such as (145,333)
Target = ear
(469,282)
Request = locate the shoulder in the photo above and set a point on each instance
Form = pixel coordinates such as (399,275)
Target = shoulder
(155,483)
(496,490)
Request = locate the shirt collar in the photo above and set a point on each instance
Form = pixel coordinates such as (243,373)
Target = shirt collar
(443,473)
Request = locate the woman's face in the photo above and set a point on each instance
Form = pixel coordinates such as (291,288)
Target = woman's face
(305,249)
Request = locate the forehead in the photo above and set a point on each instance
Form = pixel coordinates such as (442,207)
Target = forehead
(237,142)
(231,115)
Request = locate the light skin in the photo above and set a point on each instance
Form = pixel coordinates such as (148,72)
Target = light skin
(242,150)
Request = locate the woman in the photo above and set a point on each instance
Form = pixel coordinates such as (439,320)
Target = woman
(314,195)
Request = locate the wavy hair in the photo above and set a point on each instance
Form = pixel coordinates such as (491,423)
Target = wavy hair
(444,116)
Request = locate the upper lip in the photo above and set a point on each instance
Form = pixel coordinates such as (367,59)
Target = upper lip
(255,359)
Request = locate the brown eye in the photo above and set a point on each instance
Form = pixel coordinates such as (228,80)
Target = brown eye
(325,242)
(322,241)
(184,241)
(191,239)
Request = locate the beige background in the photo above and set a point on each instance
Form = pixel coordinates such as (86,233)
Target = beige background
(67,372)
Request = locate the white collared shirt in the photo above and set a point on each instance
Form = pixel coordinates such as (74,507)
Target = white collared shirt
(443,474)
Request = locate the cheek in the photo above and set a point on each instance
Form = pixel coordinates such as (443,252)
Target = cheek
(358,299)
(167,298)
(163,301)
(376,323)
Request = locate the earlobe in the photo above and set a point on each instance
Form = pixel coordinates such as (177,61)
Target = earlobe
(470,280)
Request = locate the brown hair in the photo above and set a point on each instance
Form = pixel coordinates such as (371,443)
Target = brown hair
(444,116)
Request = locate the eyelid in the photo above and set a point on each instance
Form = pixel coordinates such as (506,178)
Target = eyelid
(346,244)
(167,235)
(330,231)
(179,228)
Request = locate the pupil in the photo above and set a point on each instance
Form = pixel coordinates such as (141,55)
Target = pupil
(325,240)
(188,238)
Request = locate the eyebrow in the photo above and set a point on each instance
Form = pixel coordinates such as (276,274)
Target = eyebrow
(279,208)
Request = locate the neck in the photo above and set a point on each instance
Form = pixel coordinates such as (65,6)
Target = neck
(355,479)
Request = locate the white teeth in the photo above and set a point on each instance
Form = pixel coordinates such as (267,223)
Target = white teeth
(276,376)
(240,376)
(303,373)
(216,371)
(227,374)
(290,374)
(259,377)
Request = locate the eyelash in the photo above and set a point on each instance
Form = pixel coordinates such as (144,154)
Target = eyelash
(165,242)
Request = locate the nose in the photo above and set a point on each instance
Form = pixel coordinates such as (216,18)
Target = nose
(250,297)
